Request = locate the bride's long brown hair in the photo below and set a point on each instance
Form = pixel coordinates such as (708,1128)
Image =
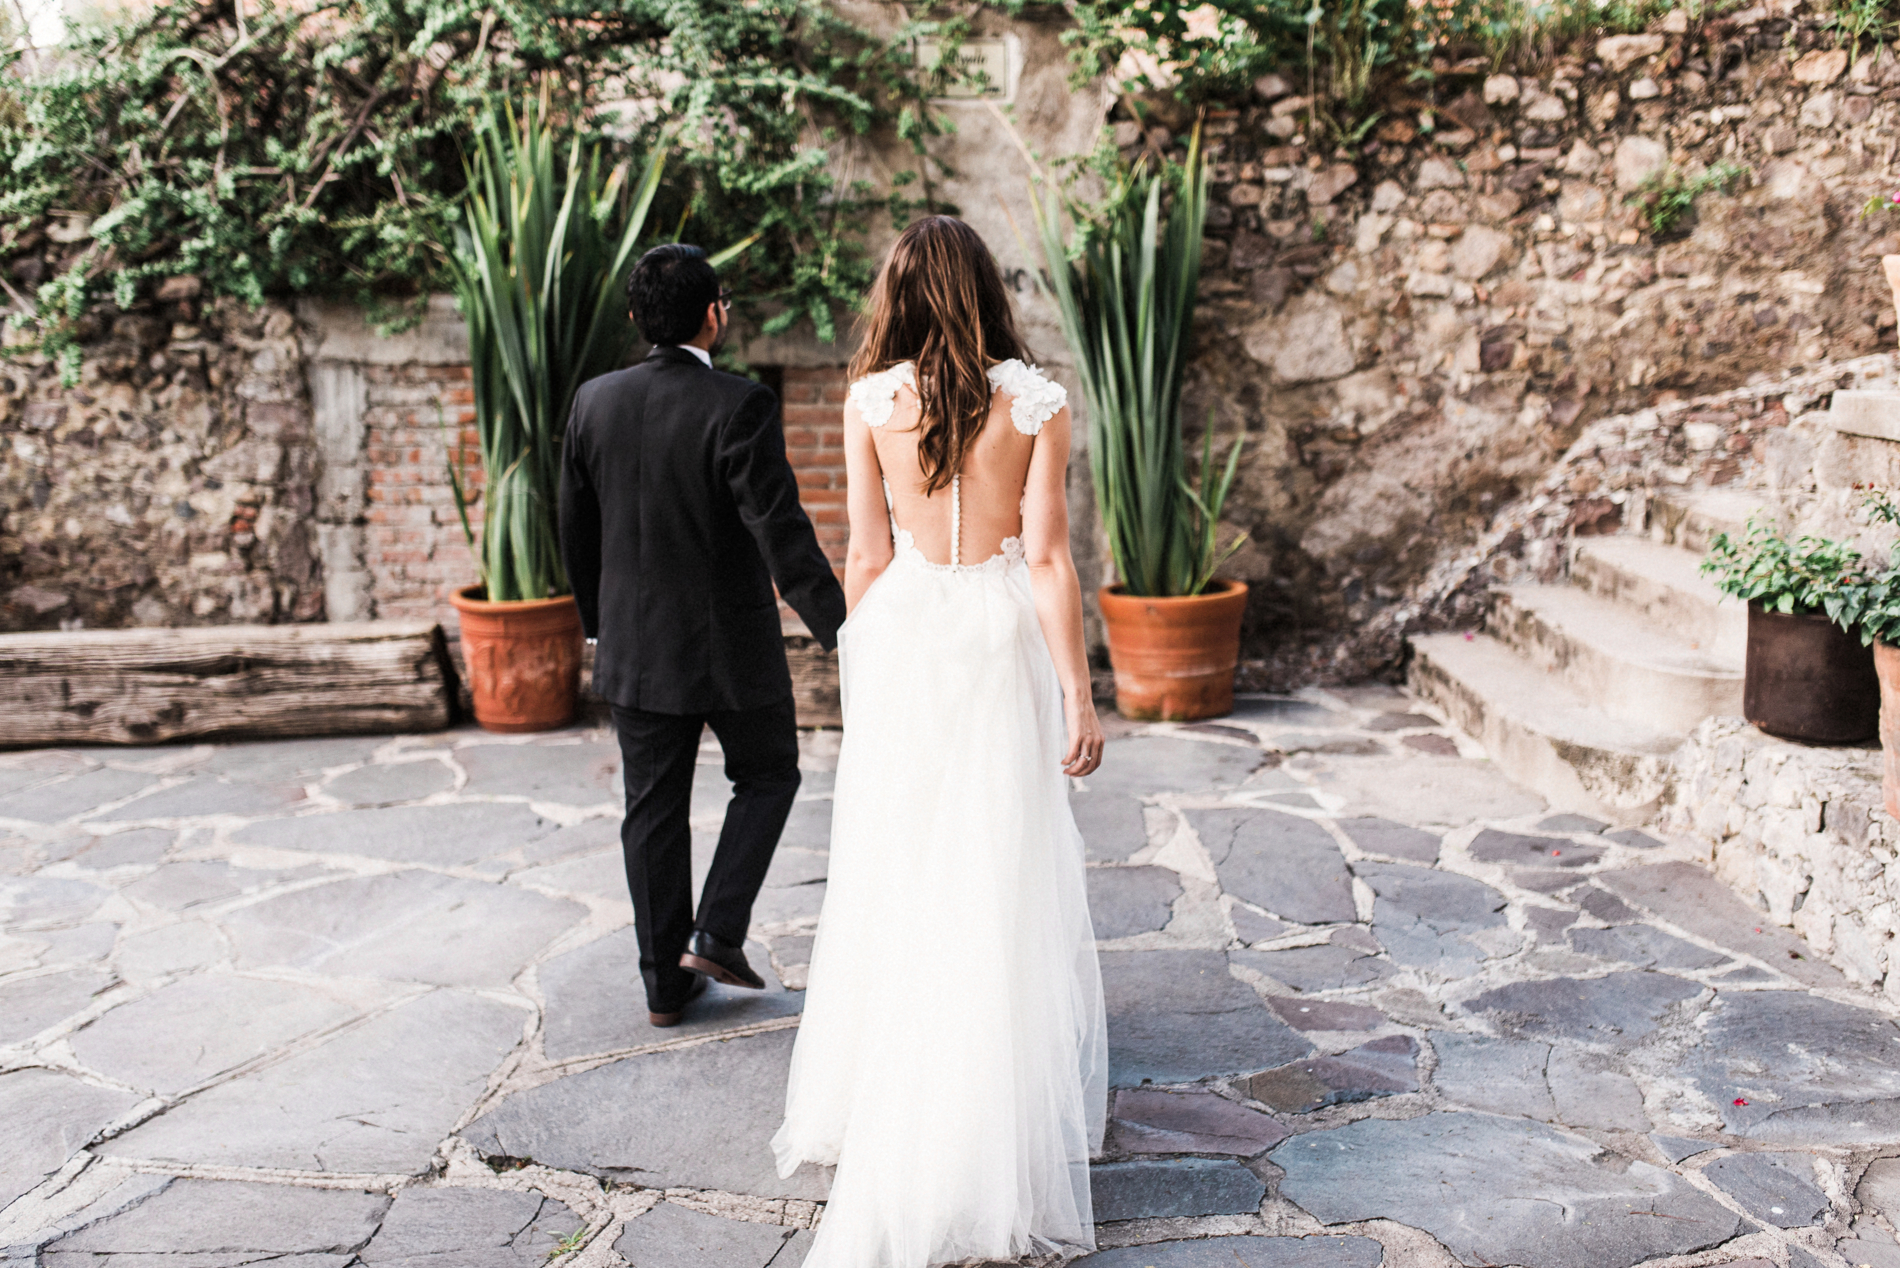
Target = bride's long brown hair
(939,303)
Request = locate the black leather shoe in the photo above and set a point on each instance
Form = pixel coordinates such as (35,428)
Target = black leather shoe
(723,964)
(693,992)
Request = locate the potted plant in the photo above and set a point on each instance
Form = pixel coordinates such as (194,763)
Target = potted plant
(1124,283)
(1872,607)
(1807,676)
(540,270)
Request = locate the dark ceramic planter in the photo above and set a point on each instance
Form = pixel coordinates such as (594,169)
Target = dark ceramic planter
(1808,679)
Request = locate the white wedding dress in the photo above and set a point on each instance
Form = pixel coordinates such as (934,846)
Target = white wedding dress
(952,1059)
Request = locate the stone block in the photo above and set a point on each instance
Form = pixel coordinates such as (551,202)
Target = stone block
(217,1223)
(595,1002)
(1502,1076)
(1319,1014)
(1383,1067)
(196,1029)
(1252,1250)
(169,949)
(1637,158)
(579,774)
(1173,1189)
(345,1105)
(469,1228)
(1307,341)
(1152,1121)
(75,796)
(1288,865)
(1124,901)
(411,926)
(29,1005)
(1777,1189)
(670,1236)
(1456,1164)
(1788,1067)
(441,836)
(1645,946)
(1676,1148)
(1588,1095)
(1319,968)
(1421,915)
(390,784)
(1394,840)
(1617,1010)
(34,902)
(49,1118)
(208,795)
(1493,846)
(699,1118)
(1180,1016)
(1620,52)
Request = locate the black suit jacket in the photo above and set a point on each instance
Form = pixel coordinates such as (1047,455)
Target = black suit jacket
(678,511)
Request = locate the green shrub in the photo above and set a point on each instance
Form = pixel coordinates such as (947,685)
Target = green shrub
(1800,578)
(272,148)
(1124,278)
(1870,603)
(1666,195)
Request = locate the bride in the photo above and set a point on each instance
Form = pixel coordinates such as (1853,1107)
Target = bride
(952,1060)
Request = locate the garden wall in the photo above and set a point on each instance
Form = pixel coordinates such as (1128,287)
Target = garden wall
(1413,337)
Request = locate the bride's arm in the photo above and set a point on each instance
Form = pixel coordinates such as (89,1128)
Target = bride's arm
(1057,592)
(869,553)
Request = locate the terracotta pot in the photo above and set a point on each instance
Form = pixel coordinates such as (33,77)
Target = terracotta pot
(524,660)
(1808,679)
(1174,658)
(1887,665)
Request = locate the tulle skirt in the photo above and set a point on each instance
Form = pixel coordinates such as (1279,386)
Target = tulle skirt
(952,1060)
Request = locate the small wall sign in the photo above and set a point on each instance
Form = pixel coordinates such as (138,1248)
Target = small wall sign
(981,70)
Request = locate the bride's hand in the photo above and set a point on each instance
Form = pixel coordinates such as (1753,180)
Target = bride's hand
(1085,737)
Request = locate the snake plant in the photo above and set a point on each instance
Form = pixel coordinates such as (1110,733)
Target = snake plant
(540,267)
(1124,283)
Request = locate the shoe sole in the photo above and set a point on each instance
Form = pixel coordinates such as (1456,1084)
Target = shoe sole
(664,1020)
(717,972)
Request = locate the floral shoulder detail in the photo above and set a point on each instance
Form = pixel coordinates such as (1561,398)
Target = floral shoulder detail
(1034,397)
(875,395)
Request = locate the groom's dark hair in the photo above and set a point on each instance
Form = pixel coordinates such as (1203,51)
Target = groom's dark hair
(668,291)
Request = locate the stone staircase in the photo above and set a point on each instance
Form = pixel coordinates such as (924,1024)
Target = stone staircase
(1584,691)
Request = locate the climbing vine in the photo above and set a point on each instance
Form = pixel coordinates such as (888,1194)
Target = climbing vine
(268,148)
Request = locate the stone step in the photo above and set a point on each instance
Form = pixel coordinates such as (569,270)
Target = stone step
(1691,519)
(1606,654)
(1540,732)
(1665,588)
(1866,413)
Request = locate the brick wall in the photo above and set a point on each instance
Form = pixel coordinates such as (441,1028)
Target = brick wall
(813,401)
(413,545)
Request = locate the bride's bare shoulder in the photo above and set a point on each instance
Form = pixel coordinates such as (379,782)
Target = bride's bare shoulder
(1034,397)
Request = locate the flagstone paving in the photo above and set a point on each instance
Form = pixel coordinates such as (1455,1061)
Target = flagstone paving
(373,1002)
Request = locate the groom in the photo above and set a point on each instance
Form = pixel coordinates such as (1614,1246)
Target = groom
(678,512)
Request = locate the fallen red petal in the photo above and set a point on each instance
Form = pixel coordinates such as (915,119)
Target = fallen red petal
(1741,1100)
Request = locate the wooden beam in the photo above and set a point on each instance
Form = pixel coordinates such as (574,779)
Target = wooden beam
(147,686)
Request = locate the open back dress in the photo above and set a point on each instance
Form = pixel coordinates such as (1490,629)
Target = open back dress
(952,1059)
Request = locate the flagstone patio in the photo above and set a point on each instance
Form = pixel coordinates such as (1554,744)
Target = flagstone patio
(374,1002)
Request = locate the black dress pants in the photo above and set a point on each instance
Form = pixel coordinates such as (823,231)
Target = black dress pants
(658,752)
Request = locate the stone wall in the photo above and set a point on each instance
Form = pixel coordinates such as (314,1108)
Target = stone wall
(173,485)
(1413,338)
(1799,831)
(1416,337)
